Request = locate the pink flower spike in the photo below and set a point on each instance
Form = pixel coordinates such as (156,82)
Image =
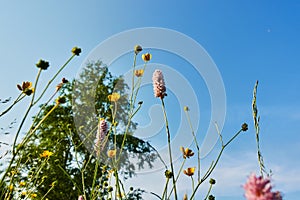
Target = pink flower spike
(259,188)
(101,134)
(159,87)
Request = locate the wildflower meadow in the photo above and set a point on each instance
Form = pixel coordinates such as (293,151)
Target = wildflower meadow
(90,150)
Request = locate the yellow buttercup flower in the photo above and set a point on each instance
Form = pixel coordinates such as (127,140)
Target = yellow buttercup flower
(46,154)
(33,195)
(189,171)
(139,72)
(187,153)
(22,183)
(114,97)
(11,187)
(146,57)
(111,153)
(26,88)
(23,193)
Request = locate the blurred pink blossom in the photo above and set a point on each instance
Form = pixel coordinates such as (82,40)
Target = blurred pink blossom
(259,188)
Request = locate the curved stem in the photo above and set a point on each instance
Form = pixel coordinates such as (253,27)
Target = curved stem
(19,98)
(211,169)
(195,140)
(169,147)
(58,72)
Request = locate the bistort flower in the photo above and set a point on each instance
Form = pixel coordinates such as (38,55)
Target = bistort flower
(187,153)
(113,97)
(259,188)
(159,87)
(189,171)
(101,134)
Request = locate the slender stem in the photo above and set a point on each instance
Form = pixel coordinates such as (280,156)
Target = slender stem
(118,189)
(208,192)
(27,112)
(14,150)
(52,187)
(130,113)
(139,84)
(180,170)
(169,146)
(195,140)
(165,189)
(19,98)
(95,175)
(66,173)
(53,78)
(211,169)
(193,183)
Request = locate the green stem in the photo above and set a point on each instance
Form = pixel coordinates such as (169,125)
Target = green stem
(165,189)
(169,147)
(179,172)
(14,150)
(208,192)
(53,78)
(19,98)
(211,169)
(95,176)
(195,140)
(193,184)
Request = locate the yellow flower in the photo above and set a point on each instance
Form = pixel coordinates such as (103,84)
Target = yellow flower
(26,88)
(23,193)
(46,154)
(189,171)
(187,153)
(114,97)
(11,187)
(33,195)
(22,183)
(111,153)
(146,57)
(139,72)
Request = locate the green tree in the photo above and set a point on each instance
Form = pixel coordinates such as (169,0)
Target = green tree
(69,132)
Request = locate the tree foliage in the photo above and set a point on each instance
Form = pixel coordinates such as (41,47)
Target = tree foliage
(69,132)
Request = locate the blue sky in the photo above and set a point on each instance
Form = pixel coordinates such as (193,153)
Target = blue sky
(248,41)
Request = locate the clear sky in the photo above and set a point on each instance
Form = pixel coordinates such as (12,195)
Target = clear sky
(247,40)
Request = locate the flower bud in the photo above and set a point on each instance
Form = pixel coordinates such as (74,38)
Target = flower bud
(244,127)
(137,49)
(76,51)
(42,64)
